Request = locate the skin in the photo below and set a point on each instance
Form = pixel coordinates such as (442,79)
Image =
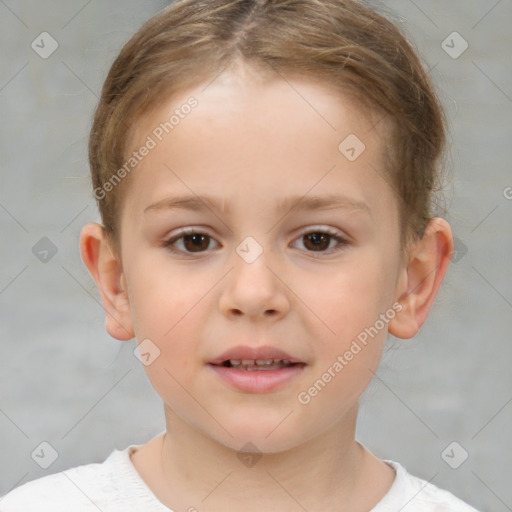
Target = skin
(253,142)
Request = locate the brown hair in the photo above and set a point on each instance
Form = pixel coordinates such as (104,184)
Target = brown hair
(343,43)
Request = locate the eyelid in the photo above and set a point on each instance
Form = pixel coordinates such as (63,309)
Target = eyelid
(321,228)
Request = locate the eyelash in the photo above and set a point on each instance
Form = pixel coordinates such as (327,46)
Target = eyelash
(342,242)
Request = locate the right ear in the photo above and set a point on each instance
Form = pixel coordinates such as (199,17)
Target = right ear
(106,269)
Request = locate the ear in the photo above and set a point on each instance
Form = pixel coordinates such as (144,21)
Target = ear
(420,278)
(106,269)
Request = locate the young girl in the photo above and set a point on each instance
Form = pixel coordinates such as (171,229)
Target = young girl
(265,172)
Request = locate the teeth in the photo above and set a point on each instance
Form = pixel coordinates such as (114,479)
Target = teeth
(267,364)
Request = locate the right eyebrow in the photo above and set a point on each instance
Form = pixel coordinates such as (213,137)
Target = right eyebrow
(194,203)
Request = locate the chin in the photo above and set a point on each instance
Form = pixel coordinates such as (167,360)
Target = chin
(260,436)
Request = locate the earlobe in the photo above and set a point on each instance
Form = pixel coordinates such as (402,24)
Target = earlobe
(106,270)
(421,277)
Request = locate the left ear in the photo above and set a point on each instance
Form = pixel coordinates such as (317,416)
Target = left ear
(421,277)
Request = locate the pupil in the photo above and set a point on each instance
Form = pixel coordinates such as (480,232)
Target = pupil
(320,240)
(196,240)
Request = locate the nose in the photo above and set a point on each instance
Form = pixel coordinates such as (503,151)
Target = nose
(254,290)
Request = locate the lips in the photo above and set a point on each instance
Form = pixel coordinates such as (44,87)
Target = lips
(256,370)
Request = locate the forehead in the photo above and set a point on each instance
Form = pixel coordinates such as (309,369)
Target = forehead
(261,96)
(271,136)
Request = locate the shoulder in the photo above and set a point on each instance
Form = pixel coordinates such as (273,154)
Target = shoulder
(412,494)
(86,488)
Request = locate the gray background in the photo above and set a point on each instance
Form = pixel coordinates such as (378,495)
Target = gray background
(63,380)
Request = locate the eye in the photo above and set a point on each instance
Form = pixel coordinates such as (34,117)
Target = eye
(316,240)
(320,240)
(190,242)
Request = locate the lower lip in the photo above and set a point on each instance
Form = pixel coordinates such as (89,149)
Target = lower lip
(257,381)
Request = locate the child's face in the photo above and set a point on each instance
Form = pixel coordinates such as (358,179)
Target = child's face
(252,147)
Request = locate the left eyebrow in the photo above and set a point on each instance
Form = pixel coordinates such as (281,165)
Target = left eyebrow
(308,203)
(327,202)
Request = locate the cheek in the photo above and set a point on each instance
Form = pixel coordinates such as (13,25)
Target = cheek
(163,299)
(350,296)
(169,314)
(350,301)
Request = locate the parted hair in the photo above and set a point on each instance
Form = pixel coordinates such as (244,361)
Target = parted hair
(344,44)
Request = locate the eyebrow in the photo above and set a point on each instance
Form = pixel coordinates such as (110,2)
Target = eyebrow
(307,203)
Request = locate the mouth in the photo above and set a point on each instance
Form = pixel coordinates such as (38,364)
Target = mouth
(256,370)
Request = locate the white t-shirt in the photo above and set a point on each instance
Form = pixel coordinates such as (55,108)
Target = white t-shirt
(115,486)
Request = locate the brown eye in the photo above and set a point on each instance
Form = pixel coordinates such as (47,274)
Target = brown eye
(196,242)
(320,241)
(189,243)
(317,241)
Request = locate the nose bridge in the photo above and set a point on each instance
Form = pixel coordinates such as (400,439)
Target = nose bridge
(254,288)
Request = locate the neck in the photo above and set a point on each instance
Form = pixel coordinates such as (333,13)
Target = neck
(330,472)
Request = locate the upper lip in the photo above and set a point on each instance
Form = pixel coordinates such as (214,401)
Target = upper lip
(254,353)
